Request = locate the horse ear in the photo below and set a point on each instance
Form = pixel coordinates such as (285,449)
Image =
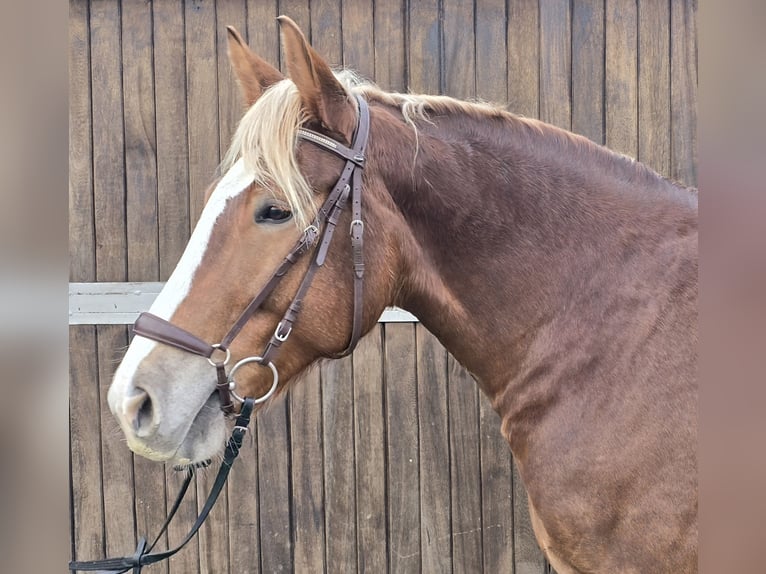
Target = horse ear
(254,73)
(323,97)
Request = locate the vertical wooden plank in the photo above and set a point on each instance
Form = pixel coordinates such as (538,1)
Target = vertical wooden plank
(588,69)
(491,52)
(325,30)
(82,263)
(308,491)
(298,10)
(403,453)
(497,524)
(496,483)
(230,104)
(465,469)
(424,55)
(84,429)
(433,432)
(654,84)
(340,475)
(683,90)
(555,63)
(111,242)
(108,159)
(141,223)
(621,93)
(459,64)
(84,423)
(528,557)
(263,29)
(187,560)
(244,535)
(120,487)
(390,45)
(358,45)
(201,101)
(140,141)
(274,487)
(172,133)
(523,58)
(370,453)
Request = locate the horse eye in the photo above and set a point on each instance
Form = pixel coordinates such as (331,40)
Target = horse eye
(273,214)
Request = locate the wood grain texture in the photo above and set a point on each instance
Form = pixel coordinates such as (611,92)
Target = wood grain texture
(171,133)
(491,52)
(201,101)
(244,533)
(588,69)
(402,449)
(84,432)
(523,57)
(82,261)
(424,48)
(370,453)
(555,63)
(274,490)
(357,31)
(308,484)
(683,90)
(140,141)
(120,490)
(230,104)
(339,468)
(390,40)
(108,155)
(465,469)
(433,433)
(654,84)
(621,76)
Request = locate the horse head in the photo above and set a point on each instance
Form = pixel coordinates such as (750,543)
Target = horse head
(269,206)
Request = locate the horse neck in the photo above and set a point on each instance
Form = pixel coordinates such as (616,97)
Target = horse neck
(513,223)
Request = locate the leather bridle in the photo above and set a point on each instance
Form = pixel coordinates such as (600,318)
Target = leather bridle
(152,327)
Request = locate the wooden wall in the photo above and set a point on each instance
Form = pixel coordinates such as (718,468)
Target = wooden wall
(389,460)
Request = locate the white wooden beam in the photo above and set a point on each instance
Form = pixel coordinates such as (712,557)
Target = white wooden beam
(120,303)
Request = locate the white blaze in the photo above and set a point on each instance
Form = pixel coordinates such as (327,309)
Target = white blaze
(236,180)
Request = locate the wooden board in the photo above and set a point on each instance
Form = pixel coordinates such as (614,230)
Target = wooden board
(433,436)
(370,453)
(171,132)
(402,455)
(588,69)
(621,89)
(683,90)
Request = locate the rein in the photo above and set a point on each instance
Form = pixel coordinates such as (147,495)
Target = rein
(162,331)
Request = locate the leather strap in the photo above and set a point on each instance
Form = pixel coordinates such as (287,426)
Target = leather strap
(143,556)
(163,331)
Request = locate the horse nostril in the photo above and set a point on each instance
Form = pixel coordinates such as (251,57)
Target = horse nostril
(139,412)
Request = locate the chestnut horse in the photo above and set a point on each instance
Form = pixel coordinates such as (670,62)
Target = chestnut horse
(561,274)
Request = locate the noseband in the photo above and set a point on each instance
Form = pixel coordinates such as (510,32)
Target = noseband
(349,183)
(162,331)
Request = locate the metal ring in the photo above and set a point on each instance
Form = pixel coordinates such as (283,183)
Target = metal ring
(226,358)
(233,383)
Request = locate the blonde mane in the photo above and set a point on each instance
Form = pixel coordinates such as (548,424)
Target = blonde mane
(266,140)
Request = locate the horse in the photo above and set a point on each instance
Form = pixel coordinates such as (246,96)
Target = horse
(562,275)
